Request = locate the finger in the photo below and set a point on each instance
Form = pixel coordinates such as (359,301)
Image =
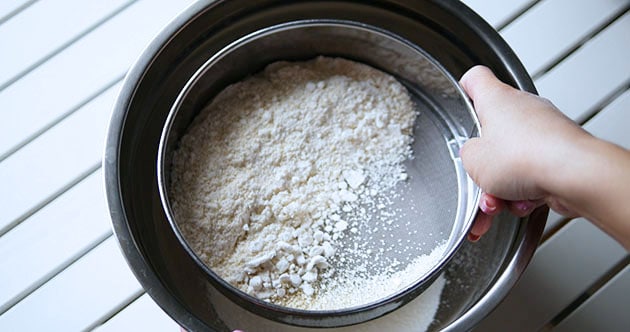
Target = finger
(482,86)
(523,208)
(482,224)
(476,79)
(476,82)
(490,204)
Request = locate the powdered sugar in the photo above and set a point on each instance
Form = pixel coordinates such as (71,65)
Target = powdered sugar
(357,286)
(276,182)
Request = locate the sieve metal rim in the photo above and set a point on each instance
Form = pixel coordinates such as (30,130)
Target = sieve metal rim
(300,317)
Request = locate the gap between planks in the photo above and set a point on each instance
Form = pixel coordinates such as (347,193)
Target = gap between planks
(501,25)
(606,101)
(580,43)
(39,283)
(16,11)
(62,117)
(50,198)
(107,316)
(65,45)
(590,291)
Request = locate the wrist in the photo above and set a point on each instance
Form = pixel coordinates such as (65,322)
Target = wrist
(566,164)
(594,182)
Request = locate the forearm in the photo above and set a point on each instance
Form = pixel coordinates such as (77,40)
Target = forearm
(594,181)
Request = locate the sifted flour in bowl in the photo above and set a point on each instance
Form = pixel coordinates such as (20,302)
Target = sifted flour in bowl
(279,178)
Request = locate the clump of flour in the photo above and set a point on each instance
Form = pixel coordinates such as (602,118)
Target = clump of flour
(283,167)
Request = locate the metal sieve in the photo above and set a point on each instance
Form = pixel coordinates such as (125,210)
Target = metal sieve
(437,203)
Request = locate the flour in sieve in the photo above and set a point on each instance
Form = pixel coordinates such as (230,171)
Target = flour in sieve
(282,167)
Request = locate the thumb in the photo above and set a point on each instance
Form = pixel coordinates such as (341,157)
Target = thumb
(484,89)
(477,80)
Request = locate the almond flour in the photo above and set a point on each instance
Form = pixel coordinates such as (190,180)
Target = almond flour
(284,167)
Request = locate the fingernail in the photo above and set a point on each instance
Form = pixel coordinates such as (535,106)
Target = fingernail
(487,207)
(473,237)
(524,206)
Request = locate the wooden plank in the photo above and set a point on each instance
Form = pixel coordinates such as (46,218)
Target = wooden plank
(497,12)
(34,34)
(87,292)
(587,77)
(34,173)
(538,37)
(141,315)
(606,310)
(66,80)
(561,269)
(611,124)
(52,239)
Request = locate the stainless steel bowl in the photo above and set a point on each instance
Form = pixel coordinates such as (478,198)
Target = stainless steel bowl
(438,201)
(479,275)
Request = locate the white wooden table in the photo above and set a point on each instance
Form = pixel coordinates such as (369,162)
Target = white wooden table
(61,65)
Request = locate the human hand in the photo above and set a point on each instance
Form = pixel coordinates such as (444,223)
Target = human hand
(524,140)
